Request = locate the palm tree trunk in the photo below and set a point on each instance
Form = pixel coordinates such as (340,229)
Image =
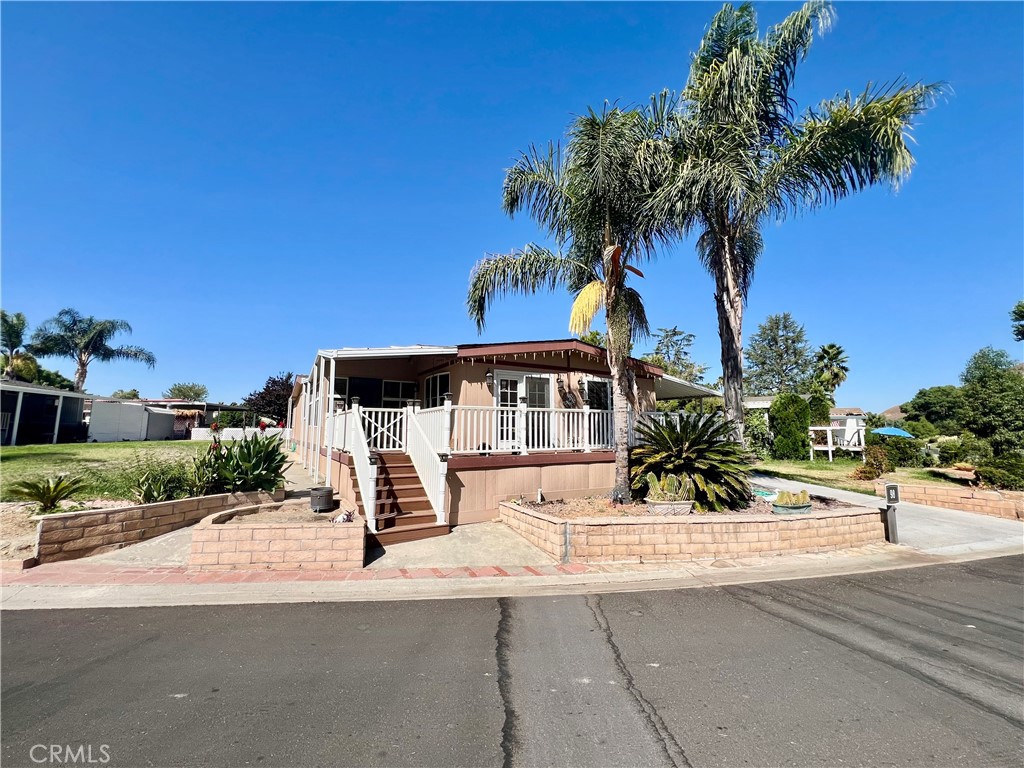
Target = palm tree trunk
(81,370)
(729,302)
(621,400)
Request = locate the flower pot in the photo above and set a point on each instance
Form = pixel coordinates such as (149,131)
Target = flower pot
(665,508)
(787,509)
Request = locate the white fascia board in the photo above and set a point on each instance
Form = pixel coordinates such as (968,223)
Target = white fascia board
(672,388)
(365,353)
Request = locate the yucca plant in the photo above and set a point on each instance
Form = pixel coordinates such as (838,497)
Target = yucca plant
(48,493)
(254,463)
(701,451)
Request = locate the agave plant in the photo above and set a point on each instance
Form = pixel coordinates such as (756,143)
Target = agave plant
(255,463)
(48,493)
(701,451)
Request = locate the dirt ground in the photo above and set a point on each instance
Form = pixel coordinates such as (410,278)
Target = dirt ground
(569,509)
(290,513)
(18,529)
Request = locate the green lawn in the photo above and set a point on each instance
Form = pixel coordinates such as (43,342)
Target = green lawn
(103,465)
(836,474)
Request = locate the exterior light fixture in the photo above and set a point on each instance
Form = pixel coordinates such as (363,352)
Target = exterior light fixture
(489,378)
(559,382)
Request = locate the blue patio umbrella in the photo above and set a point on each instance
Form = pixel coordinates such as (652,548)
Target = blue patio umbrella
(891,431)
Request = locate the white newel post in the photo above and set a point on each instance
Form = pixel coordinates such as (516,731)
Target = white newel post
(17,420)
(829,433)
(521,427)
(371,510)
(586,426)
(446,427)
(56,422)
(446,436)
(356,415)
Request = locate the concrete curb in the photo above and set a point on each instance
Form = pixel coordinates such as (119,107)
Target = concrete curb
(36,597)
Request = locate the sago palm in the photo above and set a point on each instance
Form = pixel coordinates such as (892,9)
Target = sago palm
(84,339)
(18,362)
(701,451)
(589,200)
(831,367)
(736,155)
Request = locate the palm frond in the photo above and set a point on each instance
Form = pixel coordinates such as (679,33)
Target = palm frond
(586,305)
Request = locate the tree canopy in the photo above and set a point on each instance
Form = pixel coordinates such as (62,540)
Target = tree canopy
(272,400)
(779,357)
(187,390)
(993,391)
(126,394)
(672,353)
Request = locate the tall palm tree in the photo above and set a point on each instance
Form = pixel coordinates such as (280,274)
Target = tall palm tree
(12,344)
(84,339)
(590,201)
(736,155)
(830,368)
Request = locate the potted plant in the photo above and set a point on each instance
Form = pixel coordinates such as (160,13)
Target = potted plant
(671,495)
(792,503)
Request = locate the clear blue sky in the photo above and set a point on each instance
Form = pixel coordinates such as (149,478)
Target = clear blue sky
(247,183)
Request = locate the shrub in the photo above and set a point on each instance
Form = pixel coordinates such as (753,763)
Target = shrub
(702,452)
(1004,472)
(966,449)
(820,408)
(48,493)
(755,432)
(669,488)
(789,419)
(254,463)
(876,463)
(152,480)
(901,451)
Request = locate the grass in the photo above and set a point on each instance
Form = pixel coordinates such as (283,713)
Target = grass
(836,474)
(107,468)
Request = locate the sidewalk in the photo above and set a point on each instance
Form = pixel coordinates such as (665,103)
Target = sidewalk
(128,578)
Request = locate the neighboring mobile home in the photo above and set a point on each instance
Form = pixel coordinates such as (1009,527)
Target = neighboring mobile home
(425,437)
(31,414)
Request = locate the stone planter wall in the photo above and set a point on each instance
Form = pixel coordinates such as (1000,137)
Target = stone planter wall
(277,546)
(1008,504)
(70,535)
(694,537)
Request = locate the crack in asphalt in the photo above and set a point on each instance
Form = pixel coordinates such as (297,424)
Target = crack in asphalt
(502,653)
(673,751)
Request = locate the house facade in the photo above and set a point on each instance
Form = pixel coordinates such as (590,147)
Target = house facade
(32,414)
(422,438)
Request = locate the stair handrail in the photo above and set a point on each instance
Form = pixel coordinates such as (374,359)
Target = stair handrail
(430,466)
(365,464)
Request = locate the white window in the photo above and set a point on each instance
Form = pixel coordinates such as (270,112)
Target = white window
(437,387)
(396,393)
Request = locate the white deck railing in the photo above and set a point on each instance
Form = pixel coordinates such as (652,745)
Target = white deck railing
(366,470)
(491,429)
(385,428)
(431,466)
(837,438)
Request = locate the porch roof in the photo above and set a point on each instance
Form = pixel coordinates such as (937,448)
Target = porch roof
(673,388)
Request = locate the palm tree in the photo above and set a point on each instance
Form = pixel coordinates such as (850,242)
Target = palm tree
(84,339)
(590,201)
(736,155)
(17,359)
(830,368)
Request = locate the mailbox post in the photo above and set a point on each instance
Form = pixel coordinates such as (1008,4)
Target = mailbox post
(892,500)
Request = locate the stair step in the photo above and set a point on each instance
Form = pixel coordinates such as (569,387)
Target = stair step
(399,535)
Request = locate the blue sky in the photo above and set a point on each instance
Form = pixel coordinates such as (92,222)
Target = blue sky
(245,183)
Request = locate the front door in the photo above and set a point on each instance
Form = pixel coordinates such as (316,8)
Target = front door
(509,389)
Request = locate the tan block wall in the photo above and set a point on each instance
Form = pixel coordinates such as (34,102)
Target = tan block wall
(694,537)
(71,535)
(1007,504)
(474,494)
(277,546)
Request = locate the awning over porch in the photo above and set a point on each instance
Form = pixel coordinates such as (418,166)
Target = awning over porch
(672,388)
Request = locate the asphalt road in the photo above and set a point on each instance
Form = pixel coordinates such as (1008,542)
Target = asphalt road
(915,667)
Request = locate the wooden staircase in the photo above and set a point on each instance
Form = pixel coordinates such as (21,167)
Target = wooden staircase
(403,509)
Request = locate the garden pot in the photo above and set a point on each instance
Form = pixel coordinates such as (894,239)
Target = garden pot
(321,499)
(787,509)
(664,508)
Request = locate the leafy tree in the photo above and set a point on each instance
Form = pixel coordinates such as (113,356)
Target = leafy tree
(940,406)
(231,418)
(54,379)
(594,337)
(831,368)
(126,394)
(672,353)
(779,357)
(993,391)
(272,400)
(84,339)
(187,390)
(1017,316)
(590,199)
(18,362)
(735,154)
(789,419)
(820,407)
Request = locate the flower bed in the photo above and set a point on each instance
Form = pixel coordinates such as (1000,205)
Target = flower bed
(278,537)
(692,537)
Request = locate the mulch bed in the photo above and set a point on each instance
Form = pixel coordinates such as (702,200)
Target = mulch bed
(569,509)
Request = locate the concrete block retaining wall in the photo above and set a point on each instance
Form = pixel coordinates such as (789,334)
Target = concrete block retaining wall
(278,546)
(693,537)
(70,535)
(1008,504)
